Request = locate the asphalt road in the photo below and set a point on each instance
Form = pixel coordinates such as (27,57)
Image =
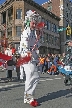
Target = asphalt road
(50,93)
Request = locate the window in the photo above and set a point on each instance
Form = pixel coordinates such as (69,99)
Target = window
(67,14)
(46,37)
(52,40)
(67,23)
(55,28)
(18,30)
(2,33)
(16,46)
(58,41)
(49,39)
(71,16)
(9,33)
(43,20)
(55,40)
(67,4)
(19,14)
(10,13)
(52,27)
(48,25)
(4,17)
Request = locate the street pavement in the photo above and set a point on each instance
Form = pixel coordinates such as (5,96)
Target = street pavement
(51,92)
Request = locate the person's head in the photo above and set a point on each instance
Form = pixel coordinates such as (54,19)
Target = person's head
(47,59)
(63,54)
(48,55)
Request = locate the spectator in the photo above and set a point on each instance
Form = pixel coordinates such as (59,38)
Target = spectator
(41,64)
(10,67)
(53,69)
(55,60)
(47,64)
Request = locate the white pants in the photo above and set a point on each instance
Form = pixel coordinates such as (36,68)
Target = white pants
(32,78)
(21,72)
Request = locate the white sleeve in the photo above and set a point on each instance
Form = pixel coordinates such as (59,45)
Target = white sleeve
(6,52)
(24,41)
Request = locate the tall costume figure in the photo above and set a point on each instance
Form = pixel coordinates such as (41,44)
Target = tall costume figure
(29,44)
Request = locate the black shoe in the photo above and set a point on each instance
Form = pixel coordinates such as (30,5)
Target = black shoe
(21,80)
(65,81)
(42,72)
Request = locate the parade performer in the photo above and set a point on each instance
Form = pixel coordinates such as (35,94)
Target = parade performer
(29,45)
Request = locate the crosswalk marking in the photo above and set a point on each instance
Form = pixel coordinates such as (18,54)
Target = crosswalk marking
(57,78)
(12,85)
(49,79)
(42,80)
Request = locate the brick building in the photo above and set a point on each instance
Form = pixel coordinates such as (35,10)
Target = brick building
(62,9)
(12,13)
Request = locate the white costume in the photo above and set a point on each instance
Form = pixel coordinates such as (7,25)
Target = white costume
(28,39)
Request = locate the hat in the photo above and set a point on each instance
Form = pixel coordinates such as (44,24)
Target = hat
(66,43)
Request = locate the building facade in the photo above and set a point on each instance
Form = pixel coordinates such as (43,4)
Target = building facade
(63,9)
(12,13)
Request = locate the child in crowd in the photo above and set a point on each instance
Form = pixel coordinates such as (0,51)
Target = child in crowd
(53,69)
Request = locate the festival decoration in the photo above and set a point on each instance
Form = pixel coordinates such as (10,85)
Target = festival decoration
(5,57)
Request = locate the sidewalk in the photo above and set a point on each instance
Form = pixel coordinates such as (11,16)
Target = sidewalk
(3,78)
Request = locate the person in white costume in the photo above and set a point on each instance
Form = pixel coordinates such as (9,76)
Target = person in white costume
(28,41)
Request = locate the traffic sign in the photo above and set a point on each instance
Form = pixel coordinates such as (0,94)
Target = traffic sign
(61,29)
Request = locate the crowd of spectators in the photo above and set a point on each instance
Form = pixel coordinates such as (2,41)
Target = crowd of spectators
(49,63)
(46,63)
